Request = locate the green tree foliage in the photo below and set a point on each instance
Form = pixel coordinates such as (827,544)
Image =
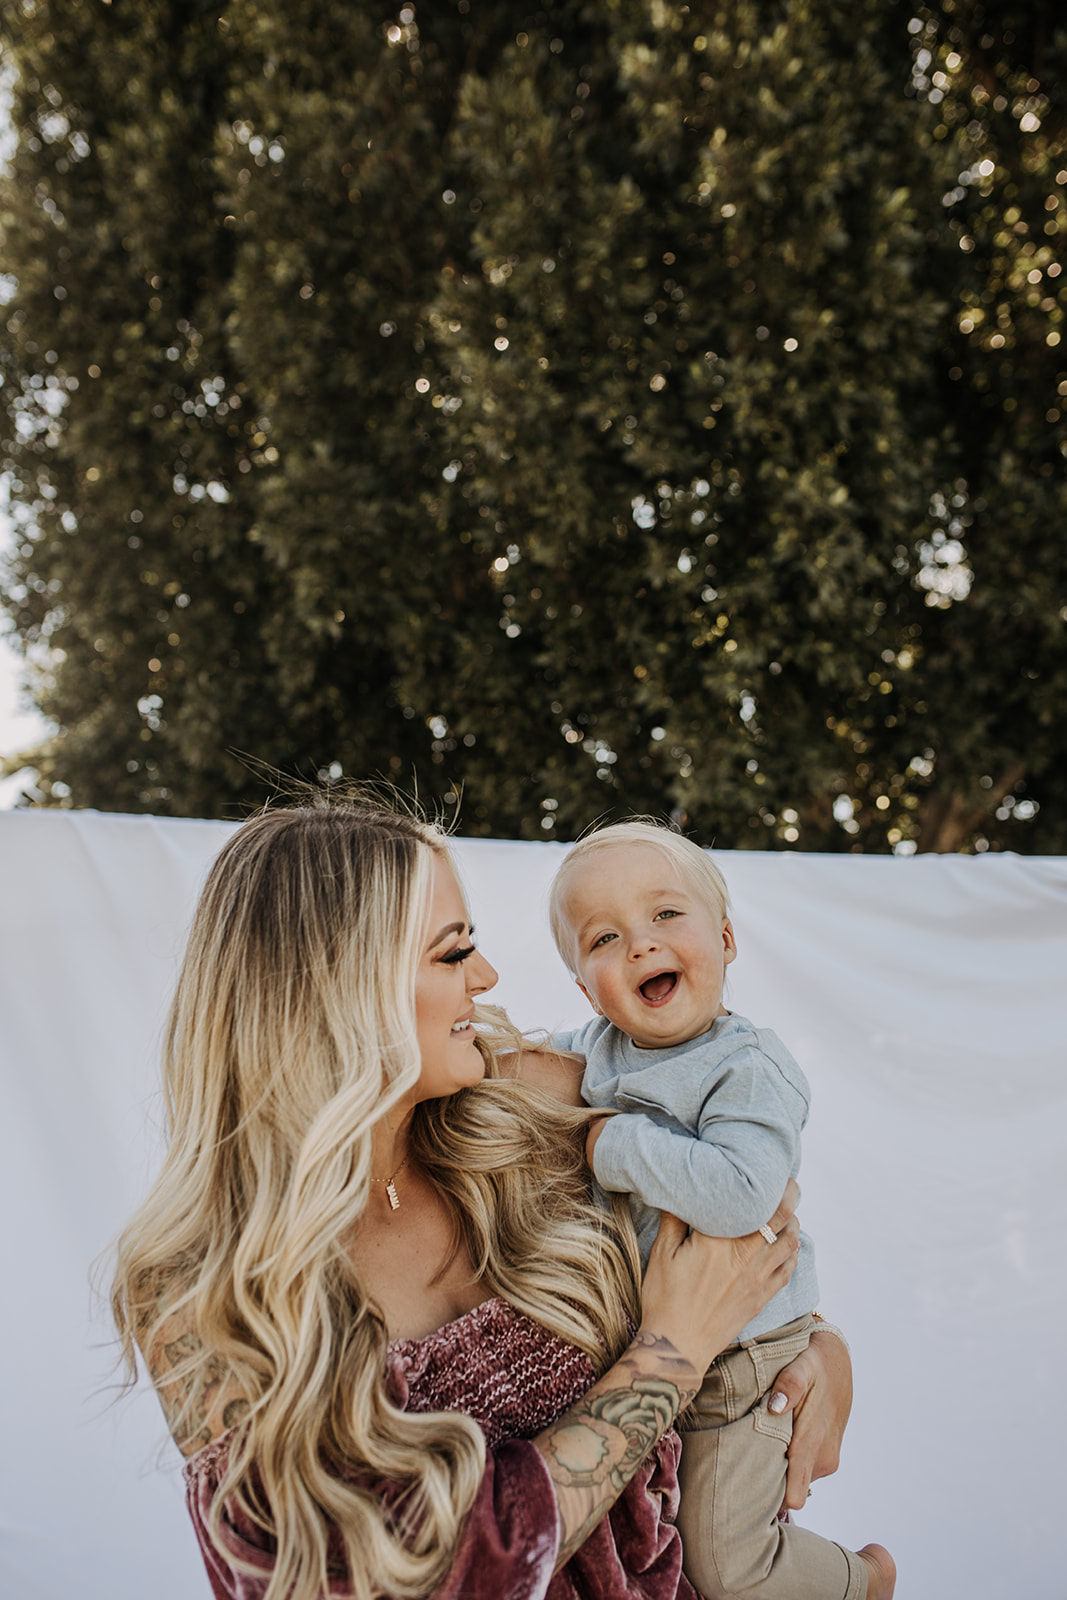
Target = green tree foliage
(620,407)
(994,78)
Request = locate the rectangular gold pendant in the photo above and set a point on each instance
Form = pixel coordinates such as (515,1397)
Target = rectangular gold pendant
(390,1190)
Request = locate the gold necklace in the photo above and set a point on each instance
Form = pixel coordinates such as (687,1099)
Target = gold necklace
(390,1185)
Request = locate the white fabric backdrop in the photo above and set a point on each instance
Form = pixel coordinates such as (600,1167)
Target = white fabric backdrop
(925,1000)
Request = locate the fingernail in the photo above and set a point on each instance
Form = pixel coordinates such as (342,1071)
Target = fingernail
(777,1402)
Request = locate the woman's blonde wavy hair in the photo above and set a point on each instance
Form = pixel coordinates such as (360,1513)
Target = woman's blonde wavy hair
(292,1033)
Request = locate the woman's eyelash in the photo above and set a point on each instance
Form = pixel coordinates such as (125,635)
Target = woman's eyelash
(455,956)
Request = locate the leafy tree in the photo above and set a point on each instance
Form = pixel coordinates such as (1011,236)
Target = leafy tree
(594,410)
(993,78)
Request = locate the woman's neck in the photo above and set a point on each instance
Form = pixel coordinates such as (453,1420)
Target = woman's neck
(390,1154)
(404,1246)
(389,1142)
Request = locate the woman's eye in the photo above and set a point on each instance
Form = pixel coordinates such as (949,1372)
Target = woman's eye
(455,956)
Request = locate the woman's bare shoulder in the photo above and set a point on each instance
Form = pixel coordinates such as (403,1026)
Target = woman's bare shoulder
(198,1393)
(558,1075)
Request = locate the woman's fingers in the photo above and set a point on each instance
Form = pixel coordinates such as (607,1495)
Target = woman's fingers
(672,1231)
(699,1292)
(817,1388)
(792,1388)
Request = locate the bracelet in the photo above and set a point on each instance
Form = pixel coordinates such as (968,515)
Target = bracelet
(822,1326)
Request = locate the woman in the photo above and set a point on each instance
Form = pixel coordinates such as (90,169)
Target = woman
(388,1327)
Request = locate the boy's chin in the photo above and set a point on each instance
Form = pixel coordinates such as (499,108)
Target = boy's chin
(668,1037)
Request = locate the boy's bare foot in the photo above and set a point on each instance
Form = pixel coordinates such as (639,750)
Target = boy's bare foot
(881,1571)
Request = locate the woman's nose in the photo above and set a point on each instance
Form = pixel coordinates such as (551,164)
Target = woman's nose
(481,975)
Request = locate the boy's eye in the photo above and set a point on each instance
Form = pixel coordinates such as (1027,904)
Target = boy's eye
(605,938)
(455,956)
(667,912)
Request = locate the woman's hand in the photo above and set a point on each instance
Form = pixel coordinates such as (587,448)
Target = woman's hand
(699,1292)
(817,1387)
(593,1132)
(558,1075)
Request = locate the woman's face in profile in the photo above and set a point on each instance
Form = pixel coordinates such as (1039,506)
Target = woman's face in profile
(450,974)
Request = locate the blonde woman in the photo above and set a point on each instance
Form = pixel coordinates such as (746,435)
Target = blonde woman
(390,1332)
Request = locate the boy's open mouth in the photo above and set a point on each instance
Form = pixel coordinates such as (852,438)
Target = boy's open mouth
(660,988)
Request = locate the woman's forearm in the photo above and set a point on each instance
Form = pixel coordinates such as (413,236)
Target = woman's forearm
(697,1295)
(595,1448)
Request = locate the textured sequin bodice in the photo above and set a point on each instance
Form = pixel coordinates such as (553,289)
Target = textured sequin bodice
(496,1365)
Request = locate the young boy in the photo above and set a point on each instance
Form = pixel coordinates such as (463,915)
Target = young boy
(713,1111)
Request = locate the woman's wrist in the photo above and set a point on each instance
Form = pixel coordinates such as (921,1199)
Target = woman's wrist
(822,1325)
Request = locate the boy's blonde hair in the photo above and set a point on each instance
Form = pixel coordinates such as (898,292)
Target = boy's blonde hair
(692,865)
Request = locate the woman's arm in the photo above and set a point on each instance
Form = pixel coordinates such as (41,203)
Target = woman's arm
(200,1399)
(558,1075)
(697,1295)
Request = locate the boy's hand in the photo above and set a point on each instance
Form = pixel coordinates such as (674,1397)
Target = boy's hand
(595,1130)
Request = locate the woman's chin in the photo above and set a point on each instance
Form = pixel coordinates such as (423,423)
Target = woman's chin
(464,1068)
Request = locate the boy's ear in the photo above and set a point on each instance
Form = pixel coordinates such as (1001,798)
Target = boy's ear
(729,943)
(589,997)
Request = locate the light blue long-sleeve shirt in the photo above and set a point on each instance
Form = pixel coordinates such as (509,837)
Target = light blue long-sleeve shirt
(712,1133)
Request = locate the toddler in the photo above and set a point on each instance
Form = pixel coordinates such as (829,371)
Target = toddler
(713,1111)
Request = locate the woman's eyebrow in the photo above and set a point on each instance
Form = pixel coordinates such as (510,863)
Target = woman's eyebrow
(452,927)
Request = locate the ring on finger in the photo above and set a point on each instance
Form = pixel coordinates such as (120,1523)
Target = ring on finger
(768,1233)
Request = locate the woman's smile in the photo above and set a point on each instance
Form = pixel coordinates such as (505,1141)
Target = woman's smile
(450,974)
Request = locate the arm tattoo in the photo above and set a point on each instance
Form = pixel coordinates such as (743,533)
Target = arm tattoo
(200,1388)
(595,1448)
(198,1392)
(195,1401)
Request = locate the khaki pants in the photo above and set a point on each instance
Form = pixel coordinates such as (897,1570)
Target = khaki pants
(732,1478)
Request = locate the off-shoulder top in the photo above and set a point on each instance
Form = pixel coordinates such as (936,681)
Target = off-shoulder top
(514,1378)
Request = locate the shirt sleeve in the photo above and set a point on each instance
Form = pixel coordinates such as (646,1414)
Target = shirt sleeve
(575,1039)
(728,1179)
(507,1550)
(511,1537)
(563,1039)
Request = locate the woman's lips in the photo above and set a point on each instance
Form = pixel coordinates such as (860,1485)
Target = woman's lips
(657,990)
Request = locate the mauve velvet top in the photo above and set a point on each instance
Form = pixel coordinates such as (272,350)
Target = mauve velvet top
(514,1378)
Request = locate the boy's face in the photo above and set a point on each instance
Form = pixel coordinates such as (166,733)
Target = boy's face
(650,953)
